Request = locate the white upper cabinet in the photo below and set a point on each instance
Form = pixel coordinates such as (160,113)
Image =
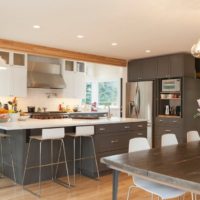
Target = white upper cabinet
(75,79)
(13,79)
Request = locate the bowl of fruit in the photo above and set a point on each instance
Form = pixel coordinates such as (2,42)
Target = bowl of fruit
(4,117)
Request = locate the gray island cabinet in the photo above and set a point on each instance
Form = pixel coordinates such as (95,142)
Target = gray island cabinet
(111,137)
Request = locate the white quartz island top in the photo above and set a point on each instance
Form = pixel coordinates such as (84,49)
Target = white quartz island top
(50,123)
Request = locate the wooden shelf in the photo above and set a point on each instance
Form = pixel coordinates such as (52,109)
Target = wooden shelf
(170,99)
(170,92)
(169,116)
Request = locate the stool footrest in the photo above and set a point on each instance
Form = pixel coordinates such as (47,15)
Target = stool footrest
(46,165)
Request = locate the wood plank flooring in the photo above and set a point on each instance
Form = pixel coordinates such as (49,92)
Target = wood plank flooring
(86,189)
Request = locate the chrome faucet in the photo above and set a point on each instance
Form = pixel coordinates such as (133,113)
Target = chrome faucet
(109,114)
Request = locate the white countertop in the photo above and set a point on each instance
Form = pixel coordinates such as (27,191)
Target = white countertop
(48,123)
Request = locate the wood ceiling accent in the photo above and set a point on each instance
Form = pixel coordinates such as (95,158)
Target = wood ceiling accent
(61,53)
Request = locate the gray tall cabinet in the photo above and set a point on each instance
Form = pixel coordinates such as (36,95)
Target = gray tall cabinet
(175,66)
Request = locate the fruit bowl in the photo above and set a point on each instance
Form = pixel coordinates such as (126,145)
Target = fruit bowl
(4,118)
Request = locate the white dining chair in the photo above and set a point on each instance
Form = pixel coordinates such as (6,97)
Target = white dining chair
(193,136)
(168,139)
(162,191)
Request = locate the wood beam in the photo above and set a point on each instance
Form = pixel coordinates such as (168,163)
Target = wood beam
(60,53)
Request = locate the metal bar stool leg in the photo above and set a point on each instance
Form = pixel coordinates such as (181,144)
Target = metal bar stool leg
(80,155)
(97,168)
(52,159)
(2,167)
(59,154)
(11,155)
(66,166)
(74,159)
(40,167)
(26,161)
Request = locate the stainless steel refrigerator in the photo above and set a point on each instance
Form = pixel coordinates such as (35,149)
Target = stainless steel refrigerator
(139,103)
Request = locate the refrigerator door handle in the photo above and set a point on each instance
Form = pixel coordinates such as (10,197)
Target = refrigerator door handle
(131,106)
(137,101)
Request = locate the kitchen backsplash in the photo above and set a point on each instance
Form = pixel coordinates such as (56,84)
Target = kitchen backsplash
(42,98)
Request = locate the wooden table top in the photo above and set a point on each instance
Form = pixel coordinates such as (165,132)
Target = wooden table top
(177,165)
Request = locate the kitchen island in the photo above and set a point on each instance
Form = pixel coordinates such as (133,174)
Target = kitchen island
(111,137)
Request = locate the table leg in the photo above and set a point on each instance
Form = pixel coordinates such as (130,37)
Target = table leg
(115,184)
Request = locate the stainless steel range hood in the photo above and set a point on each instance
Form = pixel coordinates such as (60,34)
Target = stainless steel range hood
(44,72)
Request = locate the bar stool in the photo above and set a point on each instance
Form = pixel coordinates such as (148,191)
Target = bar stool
(83,131)
(52,135)
(6,137)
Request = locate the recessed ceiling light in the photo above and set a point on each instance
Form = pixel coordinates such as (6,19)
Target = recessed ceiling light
(36,26)
(147,51)
(80,36)
(114,44)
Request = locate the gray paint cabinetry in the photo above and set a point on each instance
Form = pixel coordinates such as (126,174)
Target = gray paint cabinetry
(168,66)
(168,125)
(109,139)
(114,139)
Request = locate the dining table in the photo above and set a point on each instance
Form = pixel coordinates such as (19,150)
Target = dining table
(175,165)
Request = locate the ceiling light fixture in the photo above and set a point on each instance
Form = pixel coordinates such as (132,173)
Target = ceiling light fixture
(195,50)
(80,36)
(36,26)
(147,51)
(114,44)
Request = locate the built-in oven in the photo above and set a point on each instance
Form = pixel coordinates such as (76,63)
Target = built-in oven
(171,85)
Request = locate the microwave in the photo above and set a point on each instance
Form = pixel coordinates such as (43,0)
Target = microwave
(171,85)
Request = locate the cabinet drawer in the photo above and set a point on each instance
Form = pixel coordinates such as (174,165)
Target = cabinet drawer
(115,141)
(107,128)
(161,121)
(112,141)
(140,133)
(122,127)
(168,129)
(139,125)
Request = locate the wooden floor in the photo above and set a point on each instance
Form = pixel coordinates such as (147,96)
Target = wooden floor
(86,189)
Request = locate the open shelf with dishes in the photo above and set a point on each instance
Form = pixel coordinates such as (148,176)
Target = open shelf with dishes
(169,98)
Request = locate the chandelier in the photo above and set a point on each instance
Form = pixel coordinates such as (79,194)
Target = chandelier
(195,50)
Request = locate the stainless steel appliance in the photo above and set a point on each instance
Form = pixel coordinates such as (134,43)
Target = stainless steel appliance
(44,72)
(171,85)
(139,103)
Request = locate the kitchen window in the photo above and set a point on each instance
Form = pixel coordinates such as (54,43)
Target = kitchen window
(104,93)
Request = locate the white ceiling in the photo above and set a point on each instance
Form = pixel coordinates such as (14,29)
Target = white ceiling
(163,26)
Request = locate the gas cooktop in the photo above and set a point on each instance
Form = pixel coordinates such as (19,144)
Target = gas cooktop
(49,115)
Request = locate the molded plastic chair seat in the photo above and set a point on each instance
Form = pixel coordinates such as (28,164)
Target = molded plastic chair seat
(169,139)
(193,136)
(163,191)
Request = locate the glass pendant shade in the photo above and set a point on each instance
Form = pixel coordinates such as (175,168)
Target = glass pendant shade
(195,50)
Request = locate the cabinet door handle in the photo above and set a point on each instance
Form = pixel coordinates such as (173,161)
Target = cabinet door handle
(114,141)
(167,130)
(126,127)
(174,121)
(140,126)
(102,129)
(139,133)
(160,120)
